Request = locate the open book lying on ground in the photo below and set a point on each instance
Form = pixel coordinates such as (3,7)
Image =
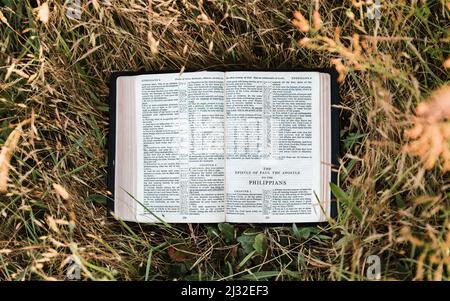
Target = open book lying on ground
(211,146)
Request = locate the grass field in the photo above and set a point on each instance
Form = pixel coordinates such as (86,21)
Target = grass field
(394,185)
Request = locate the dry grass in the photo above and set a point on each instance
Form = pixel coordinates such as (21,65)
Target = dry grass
(54,72)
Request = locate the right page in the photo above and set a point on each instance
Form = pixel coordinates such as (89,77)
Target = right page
(273,149)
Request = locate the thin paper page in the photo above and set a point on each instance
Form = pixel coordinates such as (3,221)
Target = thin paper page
(181,147)
(272,147)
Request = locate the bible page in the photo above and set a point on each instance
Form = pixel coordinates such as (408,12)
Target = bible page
(180,153)
(272,145)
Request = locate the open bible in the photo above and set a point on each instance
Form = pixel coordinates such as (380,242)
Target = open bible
(212,146)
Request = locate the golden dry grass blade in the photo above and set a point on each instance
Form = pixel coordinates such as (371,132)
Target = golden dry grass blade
(7,153)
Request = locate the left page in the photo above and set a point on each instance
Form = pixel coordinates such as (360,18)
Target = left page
(180,147)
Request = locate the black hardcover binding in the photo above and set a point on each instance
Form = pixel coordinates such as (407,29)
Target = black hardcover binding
(335,128)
